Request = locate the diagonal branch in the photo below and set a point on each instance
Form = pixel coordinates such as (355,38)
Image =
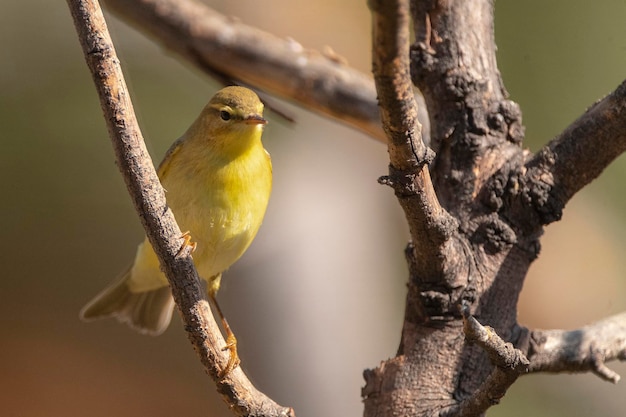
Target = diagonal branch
(509,364)
(578,155)
(431,226)
(581,350)
(158,221)
(223,45)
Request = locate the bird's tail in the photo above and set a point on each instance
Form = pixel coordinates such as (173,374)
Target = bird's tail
(147,312)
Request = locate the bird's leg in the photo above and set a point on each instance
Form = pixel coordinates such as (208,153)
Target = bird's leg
(231,345)
(187,243)
(231,340)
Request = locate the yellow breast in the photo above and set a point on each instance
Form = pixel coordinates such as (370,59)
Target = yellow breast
(219,197)
(222,207)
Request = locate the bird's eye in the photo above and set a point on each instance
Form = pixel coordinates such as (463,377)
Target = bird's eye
(225,115)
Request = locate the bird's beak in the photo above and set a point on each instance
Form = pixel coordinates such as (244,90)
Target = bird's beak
(255,119)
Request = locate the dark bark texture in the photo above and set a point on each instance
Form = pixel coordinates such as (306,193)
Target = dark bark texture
(500,196)
(475,201)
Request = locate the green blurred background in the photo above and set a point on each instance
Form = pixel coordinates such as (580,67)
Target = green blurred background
(319,296)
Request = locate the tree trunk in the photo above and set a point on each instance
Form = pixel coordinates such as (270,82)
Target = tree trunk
(500,195)
(475,201)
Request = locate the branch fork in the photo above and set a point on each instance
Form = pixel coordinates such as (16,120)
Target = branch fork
(550,178)
(509,363)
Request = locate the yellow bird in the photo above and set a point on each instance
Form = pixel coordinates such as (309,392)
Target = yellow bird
(218,179)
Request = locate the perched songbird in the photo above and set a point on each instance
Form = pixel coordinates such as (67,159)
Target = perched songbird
(218,179)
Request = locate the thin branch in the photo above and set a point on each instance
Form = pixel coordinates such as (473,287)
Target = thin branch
(509,364)
(578,155)
(216,43)
(398,109)
(583,350)
(158,221)
(430,224)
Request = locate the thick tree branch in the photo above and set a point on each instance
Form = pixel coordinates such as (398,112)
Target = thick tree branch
(158,221)
(582,350)
(216,43)
(578,155)
(473,125)
(430,225)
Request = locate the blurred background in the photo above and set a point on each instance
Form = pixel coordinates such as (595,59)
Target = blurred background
(319,296)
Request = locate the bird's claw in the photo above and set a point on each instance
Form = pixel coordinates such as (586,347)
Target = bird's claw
(233,357)
(187,244)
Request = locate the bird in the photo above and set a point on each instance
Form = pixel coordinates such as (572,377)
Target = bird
(218,180)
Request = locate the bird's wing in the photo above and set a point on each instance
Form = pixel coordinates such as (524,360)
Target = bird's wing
(169,157)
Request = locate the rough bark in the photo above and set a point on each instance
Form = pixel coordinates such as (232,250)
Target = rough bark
(580,350)
(437,370)
(577,156)
(501,196)
(164,234)
(475,203)
(432,228)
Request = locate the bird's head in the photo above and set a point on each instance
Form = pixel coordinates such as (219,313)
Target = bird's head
(232,120)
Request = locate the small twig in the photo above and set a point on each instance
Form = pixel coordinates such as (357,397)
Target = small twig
(509,364)
(158,221)
(502,354)
(578,155)
(429,223)
(582,350)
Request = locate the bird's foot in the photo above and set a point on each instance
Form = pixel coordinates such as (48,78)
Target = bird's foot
(233,357)
(187,244)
